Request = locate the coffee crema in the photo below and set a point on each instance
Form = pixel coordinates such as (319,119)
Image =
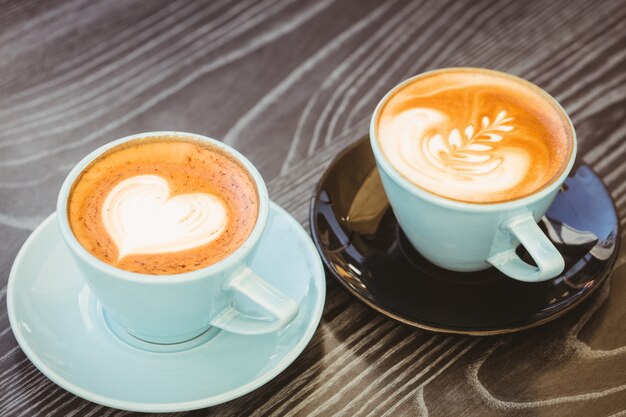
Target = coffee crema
(474,135)
(163,205)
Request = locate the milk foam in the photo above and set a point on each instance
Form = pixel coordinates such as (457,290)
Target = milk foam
(474,135)
(142,218)
(427,148)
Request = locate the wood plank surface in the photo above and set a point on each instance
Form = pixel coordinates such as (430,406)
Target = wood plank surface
(290,83)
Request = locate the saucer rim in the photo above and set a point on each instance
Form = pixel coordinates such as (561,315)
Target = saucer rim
(318,277)
(424,325)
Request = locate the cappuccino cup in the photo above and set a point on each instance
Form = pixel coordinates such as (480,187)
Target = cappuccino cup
(163,227)
(470,160)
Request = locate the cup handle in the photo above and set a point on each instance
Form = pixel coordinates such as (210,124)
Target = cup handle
(247,282)
(549,261)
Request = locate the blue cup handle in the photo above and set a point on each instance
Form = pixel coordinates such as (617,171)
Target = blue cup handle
(282,308)
(549,261)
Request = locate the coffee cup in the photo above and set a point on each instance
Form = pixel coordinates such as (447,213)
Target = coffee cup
(470,160)
(177,302)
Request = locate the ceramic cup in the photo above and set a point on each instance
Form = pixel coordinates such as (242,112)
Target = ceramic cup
(467,237)
(175,308)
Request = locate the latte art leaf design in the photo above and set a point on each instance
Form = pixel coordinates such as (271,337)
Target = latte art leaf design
(469,152)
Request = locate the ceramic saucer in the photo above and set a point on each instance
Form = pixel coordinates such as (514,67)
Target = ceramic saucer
(60,326)
(361,243)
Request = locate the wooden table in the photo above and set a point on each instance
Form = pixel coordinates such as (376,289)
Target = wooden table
(290,83)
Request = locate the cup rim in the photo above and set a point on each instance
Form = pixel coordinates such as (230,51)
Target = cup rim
(399,179)
(230,261)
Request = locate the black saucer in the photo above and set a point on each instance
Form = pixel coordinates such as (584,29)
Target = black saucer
(361,243)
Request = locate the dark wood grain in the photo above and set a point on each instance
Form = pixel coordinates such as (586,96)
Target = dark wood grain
(290,83)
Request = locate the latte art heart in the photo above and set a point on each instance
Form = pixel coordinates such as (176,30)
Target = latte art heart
(142,218)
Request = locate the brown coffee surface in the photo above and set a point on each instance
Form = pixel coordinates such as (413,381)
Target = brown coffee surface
(182,181)
(474,135)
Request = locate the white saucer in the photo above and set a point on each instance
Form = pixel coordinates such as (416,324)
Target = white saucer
(60,326)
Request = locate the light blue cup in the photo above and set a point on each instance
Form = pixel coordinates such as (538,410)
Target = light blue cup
(168,309)
(470,237)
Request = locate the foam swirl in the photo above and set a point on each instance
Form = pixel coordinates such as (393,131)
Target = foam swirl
(474,135)
(470,153)
(426,147)
(142,218)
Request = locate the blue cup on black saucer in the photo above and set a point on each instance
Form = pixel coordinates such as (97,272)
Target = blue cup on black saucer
(470,160)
